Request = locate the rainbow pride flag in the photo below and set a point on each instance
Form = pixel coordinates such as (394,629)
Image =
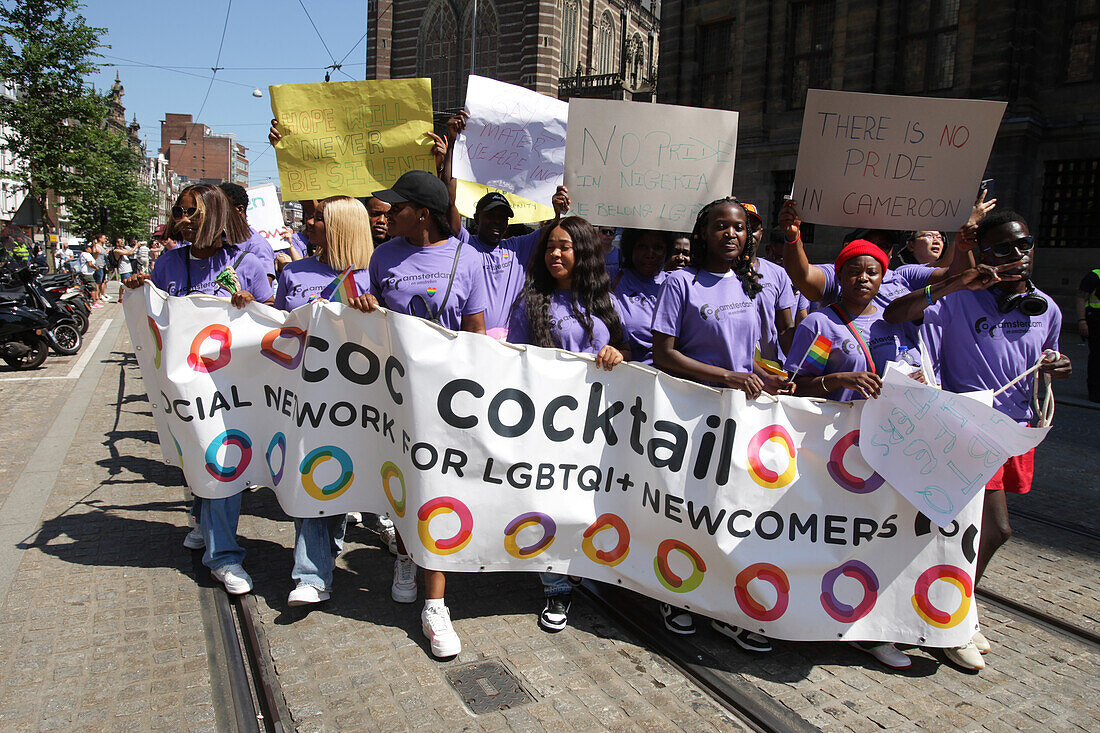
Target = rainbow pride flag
(341,290)
(819,351)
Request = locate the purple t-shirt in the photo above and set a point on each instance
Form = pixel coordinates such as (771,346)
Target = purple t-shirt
(778,295)
(257,245)
(713,319)
(635,297)
(505,270)
(177,273)
(300,242)
(974,346)
(403,276)
(302,280)
(846,355)
(611,263)
(565,328)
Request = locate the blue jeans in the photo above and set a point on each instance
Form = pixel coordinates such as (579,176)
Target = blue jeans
(555,584)
(317,542)
(217,519)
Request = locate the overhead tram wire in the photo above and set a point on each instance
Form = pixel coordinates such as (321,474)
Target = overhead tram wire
(135,62)
(215,67)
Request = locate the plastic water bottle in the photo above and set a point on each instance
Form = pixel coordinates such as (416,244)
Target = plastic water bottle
(905,356)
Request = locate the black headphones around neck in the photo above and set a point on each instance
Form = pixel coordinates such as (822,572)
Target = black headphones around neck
(1028,302)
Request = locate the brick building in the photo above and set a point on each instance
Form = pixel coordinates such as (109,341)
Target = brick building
(592,48)
(760,57)
(197,154)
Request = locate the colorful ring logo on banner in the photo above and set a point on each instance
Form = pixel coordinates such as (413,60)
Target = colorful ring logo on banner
(956,577)
(760,473)
(523,521)
(844,479)
(277,441)
(607,557)
(436,507)
(157,341)
(315,458)
(283,359)
(179,450)
(771,574)
(205,364)
(671,580)
(389,471)
(842,612)
(228,473)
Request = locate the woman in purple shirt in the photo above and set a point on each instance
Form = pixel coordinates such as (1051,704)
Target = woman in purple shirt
(565,304)
(634,290)
(706,328)
(424,271)
(339,233)
(211,265)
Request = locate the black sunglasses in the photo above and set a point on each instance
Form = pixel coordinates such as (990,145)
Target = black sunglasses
(178,212)
(1015,246)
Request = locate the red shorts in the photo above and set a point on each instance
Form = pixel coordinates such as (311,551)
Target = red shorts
(1015,476)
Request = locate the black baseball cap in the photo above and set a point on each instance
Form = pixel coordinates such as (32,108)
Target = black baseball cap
(420,188)
(494,200)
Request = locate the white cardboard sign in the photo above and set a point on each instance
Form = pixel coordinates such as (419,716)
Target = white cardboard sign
(652,166)
(891,162)
(514,141)
(265,215)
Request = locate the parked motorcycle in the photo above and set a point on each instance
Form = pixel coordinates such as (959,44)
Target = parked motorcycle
(63,331)
(23,340)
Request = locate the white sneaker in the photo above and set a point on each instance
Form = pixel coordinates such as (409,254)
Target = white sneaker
(194,540)
(403,589)
(886,653)
(436,623)
(355,517)
(387,533)
(305,594)
(981,642)
(235,579)
(966,656)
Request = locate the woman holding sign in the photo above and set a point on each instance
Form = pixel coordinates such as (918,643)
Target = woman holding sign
(425,271)
(339,233)
(706,328)
(840,352)
(565,304)
(212,265)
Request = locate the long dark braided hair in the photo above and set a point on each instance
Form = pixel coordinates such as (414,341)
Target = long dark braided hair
(590,285)
(742,266)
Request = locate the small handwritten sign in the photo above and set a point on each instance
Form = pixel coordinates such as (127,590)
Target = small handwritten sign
(652,166)
(514,143)
(350,137)
(937,448)
(890,162)
(266,217)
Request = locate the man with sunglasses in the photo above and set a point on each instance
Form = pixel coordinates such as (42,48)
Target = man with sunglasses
(983,328)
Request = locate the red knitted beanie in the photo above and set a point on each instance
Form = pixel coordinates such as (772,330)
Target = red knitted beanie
(858,247)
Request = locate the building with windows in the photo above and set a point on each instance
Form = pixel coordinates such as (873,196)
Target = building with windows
(760,57)
(591,48)
(196,153)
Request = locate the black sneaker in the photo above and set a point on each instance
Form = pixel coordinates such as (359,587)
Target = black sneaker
(677,620)
(747,640)
(555,616)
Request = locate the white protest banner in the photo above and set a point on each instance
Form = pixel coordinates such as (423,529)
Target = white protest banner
(652,166)
(490,457)
(266,216)
(890,162)
(937,448)
(514,143)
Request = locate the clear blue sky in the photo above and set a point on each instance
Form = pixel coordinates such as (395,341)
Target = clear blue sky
(272,38)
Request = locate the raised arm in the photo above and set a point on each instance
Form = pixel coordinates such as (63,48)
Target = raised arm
(809,279)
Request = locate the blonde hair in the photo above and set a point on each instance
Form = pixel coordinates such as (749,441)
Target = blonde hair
(348,242)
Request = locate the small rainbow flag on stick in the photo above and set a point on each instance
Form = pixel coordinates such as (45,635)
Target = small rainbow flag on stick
(341,290)
(818,353)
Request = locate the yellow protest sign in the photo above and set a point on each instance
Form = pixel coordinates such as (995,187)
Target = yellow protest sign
(526,212)
(350,137)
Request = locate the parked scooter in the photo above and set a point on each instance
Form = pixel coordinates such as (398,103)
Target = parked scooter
(63,333)
(23,340)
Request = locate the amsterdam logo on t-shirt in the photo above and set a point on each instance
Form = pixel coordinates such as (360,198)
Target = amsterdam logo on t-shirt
(394,282)
(727,310)
(1014,326)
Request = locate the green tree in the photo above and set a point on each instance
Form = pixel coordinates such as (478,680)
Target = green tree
(46,51)
(110,183)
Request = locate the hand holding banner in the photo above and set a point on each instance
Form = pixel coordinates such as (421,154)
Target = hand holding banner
(652,166)
(351,137)
(890,162)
